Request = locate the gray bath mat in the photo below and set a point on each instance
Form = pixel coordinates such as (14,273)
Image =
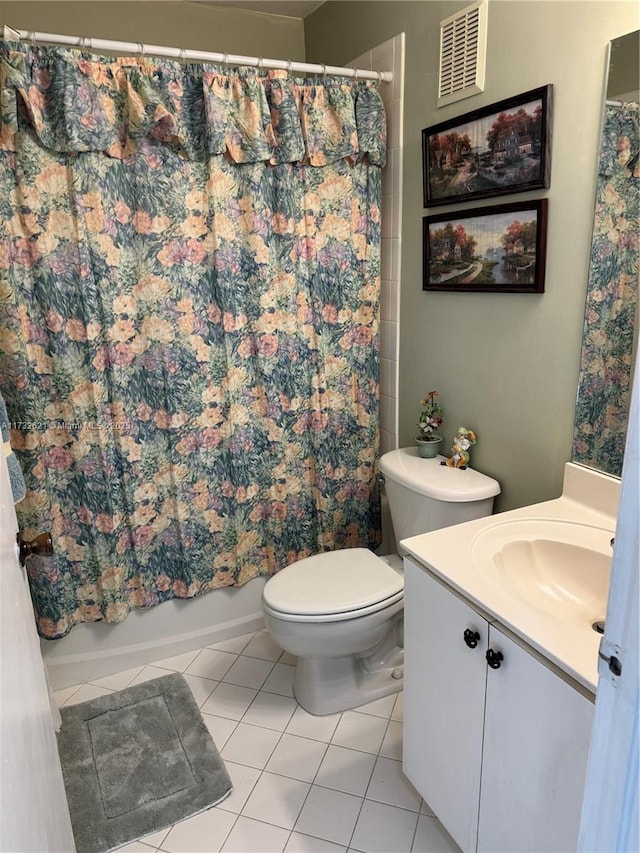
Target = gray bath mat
(137,761)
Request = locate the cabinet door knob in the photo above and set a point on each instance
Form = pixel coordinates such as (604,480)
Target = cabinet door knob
(494,658)
(471,638)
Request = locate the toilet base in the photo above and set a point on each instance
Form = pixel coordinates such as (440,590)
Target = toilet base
(330,685)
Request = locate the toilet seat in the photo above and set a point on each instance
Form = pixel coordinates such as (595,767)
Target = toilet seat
(332,587)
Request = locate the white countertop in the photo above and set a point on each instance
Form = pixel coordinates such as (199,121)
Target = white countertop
(589,498)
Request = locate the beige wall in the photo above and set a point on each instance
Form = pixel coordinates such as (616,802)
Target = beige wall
(506,365)
(175,24)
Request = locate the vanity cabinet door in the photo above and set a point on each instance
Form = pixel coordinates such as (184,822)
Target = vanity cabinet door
(444,686)
(536,743)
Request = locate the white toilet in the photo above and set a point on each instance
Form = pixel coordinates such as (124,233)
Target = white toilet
(340,612)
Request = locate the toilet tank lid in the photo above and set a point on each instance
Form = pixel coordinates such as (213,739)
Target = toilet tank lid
(428,477)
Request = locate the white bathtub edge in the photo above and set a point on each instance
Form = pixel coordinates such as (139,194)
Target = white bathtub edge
(93,651)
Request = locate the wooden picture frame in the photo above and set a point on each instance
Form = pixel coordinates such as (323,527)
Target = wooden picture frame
(496,249)
(497,150)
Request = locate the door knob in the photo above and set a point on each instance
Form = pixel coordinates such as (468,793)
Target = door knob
(41,546)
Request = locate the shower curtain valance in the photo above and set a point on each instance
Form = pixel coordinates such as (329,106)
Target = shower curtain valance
(77,102)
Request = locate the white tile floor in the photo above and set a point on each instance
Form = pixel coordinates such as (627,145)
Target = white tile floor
(301,784)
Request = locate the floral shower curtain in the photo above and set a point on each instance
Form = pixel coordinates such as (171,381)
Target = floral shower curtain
(604,387)
(189,313)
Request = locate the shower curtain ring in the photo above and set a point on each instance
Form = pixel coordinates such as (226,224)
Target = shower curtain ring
(33,38)
(380,76)
(289,66)
(260,63)
(141,49)
(324,69)
(355,74)
(183,54)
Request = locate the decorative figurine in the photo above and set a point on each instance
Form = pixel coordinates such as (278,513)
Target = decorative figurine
(462,441)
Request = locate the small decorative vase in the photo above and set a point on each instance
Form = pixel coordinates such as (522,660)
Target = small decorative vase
(428,447)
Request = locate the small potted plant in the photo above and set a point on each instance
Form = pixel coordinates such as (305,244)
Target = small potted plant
(428,440)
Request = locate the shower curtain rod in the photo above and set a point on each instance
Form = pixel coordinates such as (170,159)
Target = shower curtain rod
(627,105)
(200,55)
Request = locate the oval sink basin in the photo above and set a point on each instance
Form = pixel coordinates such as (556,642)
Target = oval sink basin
(559,567)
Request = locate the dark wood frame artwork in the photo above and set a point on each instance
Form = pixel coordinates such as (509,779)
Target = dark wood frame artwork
(513,257)
(513,151)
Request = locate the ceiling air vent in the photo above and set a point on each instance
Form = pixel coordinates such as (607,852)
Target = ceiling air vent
(463,47)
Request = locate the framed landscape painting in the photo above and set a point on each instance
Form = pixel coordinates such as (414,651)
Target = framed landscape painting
(496,150)
(499,249)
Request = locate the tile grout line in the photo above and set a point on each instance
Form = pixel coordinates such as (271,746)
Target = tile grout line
(263,769)
(311,784)
(355,826)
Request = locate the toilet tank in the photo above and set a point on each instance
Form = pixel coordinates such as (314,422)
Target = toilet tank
(424,495)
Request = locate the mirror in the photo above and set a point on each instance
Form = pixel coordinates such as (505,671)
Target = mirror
(610,333)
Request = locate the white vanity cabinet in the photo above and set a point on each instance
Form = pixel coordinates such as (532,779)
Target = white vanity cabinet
(499,754)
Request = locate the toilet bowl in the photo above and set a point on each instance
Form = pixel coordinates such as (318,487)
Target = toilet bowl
(341,612)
